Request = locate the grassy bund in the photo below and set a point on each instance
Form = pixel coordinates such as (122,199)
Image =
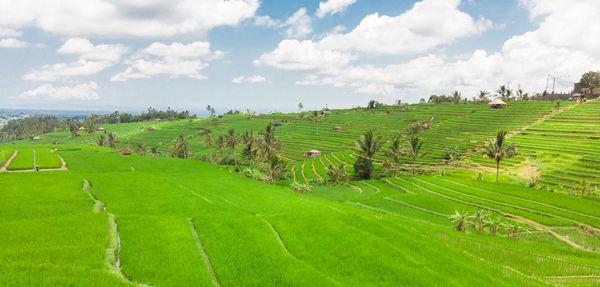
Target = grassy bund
(112,220)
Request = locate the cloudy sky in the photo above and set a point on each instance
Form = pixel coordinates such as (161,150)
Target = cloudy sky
(269,55)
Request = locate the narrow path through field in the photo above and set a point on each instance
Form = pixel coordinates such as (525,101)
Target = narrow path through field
(282,243)
(416,207)
(315,171)
(393,185)
(62,167)
(302,172)
(355,187)
(205,257)
(7,163)
(534,224)
(343,162)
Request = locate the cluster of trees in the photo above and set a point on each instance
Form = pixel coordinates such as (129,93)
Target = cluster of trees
(590,82)
(261,151)
(369,144)
(149,115)
(107,140)
(28,127)
(482,97)
(482,220)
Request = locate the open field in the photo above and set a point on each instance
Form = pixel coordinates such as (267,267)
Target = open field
(44,158)
(214,226)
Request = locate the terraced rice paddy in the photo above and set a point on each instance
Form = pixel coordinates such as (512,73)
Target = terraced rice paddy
(162,221)
(213,227)
(44,158)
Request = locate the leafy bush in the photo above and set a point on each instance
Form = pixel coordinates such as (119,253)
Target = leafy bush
(364,168)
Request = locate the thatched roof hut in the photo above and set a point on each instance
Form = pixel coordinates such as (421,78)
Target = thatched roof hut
(337,128)
(36,138)
(124,152)
(313,153)
(101,129)
(497,103)
(150,129)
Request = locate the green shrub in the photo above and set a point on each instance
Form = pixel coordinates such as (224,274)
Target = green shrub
(364,168)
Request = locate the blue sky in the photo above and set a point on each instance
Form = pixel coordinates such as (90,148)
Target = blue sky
(269,55)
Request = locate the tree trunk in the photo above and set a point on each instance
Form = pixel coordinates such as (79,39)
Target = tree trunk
(413,167)
(497,170)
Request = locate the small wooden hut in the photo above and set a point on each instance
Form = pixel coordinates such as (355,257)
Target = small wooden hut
(124,152)
(337,128)
(497,103)
(313,153)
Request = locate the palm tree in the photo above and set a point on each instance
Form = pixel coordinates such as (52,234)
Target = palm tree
(208,141)
(396,150)
(483,96)
(267,145)
(456,97)
(498,149)
(461,219)
(231,140)
(220,143)
(248,139)
(181,148)
(369,144)
(413,149)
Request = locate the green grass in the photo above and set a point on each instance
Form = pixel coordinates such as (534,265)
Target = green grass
(44,158)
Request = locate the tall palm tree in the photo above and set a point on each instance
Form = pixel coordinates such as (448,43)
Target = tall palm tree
(181,148)
(456,96)
(231,140)
(208,141)
(220,143)
(413,149)
(483,96)
(267,145)
(498,150)
(248,139)
(396,150)
(369,144)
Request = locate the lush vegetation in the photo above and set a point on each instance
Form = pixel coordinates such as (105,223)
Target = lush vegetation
(400,195)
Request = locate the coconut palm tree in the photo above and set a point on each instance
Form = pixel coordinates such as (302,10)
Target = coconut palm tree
(461,219)
(208,141)
(267,145)
(498,150)
(369,144)
(483,96)
(396,150)
(413,150)
(181,148)
(231,140)
(249,140)
(456,97)
(220,143)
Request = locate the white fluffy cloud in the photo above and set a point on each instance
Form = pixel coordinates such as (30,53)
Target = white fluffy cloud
(565,44)
(85,91)
(87,51)
(332,7)
(175,60)
(12,43)
(303,56)
(92,59)
(299,24)
(6,32)
(249,79)
(64,71)
(123,18)
(426,25)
